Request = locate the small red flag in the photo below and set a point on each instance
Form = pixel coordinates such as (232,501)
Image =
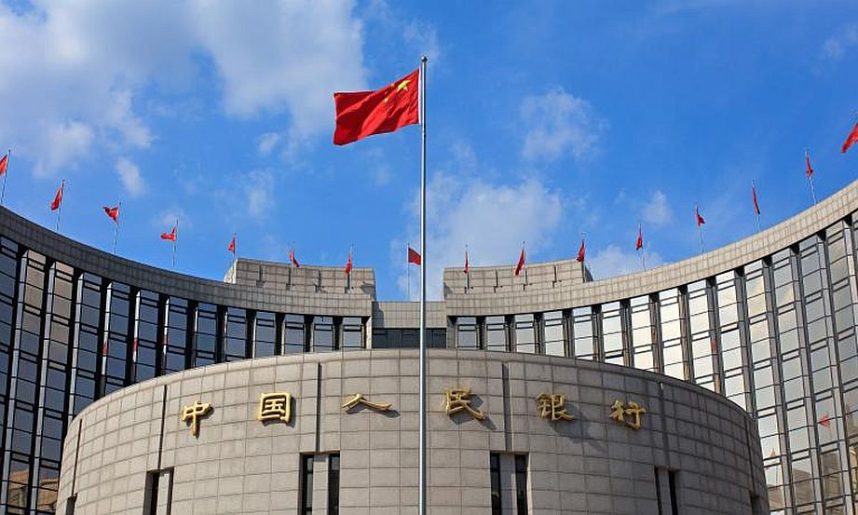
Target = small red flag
(4,164)
(58,198)
(808,170)
(169,236)
(754,198)
(112,213)
(466,261)
(700,220)
(364,113)
(414,257)
(520,265)
(639,241)
(825,421)
(581,249)
(231,246)
(850,139)
(348,268)
(292,259)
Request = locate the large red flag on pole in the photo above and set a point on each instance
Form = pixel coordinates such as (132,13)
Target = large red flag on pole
(521,258)
(169,236)
(172,236)
(850,139)
(754,198)
(364,113)
(4,164)
(699,217)
(231,246)
(293,259)
(808,171)
(581,251)
(639,242)
(4,167)
(466,260)
(348,268)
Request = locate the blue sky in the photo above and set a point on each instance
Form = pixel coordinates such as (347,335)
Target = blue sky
(546,120)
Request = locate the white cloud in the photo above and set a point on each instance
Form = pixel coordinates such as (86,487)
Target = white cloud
(493,219)
(559,124)
(613,261)
(73,72)
(267,142)
(259,192)
(835,47)
(656,211)
(166,219)
(296,54)
(129,174)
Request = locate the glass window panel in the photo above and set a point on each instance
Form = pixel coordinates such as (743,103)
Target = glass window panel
(466,329)
(525,335)
(294,337)
(555,343)
(323,334)
(352,333)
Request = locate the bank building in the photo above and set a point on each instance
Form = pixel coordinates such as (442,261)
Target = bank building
(725,383)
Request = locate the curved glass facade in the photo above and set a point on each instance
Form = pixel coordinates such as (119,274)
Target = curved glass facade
(773,330)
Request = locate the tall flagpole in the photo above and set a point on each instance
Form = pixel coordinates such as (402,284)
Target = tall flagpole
(421,475)
(699,227)
(810,176)
(3,192)
(116,228)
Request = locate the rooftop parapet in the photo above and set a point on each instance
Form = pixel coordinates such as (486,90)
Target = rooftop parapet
(271,275)
(503,281)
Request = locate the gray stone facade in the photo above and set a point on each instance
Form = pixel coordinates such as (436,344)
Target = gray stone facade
(700,445)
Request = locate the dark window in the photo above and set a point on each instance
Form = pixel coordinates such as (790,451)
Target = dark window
(352,333)
(671,479)
(177,335)
(236,335)
(521,483)
(323,334)
(264,334)
(306,506)
(158,494)
(494,473)
(294,340)
(333,484)
(205,336)
(466,329)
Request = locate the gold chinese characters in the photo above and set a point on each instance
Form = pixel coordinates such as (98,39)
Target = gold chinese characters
(358,398)
(458,400)
(275,406)
(552,406)
(193,412)
(629,414)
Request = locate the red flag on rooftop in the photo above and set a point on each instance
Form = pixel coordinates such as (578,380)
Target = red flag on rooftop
(850,139)
(169,236)
(808,170)
(4,163)
(231,246)
(293,260)
(364,113)
(348,268)
(581,251)
(754,198)
(466,260)
(414,257)
(112,212)
(639,241)
(58,198)
(699,217)
(520,265)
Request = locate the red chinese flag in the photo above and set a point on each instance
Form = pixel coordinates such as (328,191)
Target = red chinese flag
(808,170)
(754,198)
(364,113)
(466,261)
(4,164)
(348,268)
(58,198)
(639,241)
(414,257)
(520,265)
(169,236)
(581,250)
(700,220)
(850,139)
(292,259)
(112,212)
(231,246)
